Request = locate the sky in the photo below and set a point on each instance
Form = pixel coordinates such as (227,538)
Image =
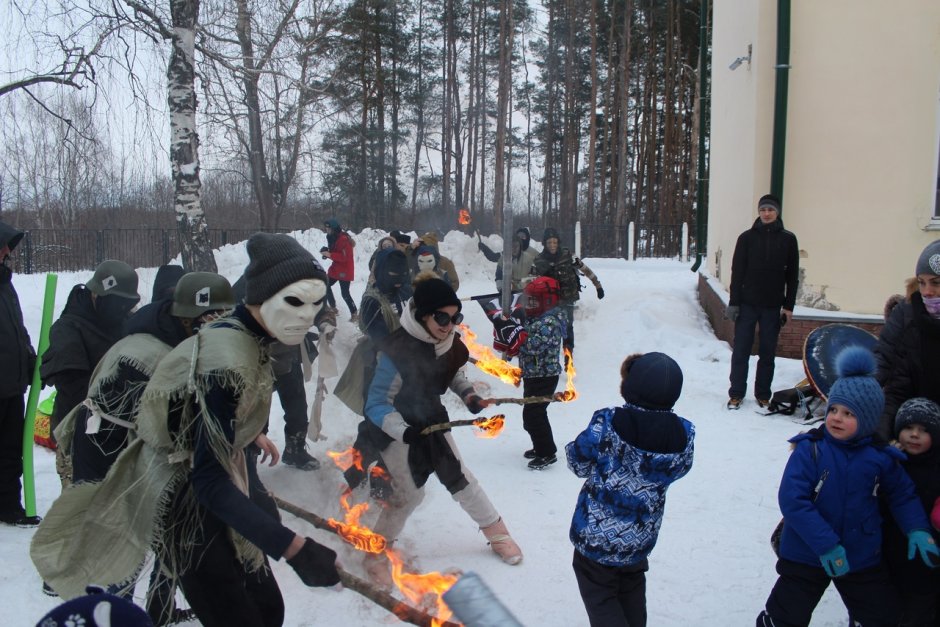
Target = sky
(712,566)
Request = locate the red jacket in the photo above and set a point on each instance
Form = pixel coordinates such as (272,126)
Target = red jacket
(341,254)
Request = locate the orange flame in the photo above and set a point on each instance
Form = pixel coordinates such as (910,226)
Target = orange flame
(423,589)
(361,537)
(490,427)
(346,459)
(570,393)
(464,217)
(489,362)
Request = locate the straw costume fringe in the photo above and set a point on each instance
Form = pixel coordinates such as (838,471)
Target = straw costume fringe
(101,532)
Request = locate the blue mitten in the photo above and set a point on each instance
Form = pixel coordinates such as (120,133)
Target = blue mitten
(834,561)
(920,542)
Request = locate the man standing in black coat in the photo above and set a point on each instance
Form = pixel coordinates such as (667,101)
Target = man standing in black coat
(764,273)
(18,359)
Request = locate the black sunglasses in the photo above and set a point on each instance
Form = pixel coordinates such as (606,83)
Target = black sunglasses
(442,318)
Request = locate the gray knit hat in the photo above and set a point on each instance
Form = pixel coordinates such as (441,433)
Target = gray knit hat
(922,411)
(769,200)
(929,260)
(274,262)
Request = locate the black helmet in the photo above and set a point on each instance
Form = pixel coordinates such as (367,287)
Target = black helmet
(114,278)
(199,292)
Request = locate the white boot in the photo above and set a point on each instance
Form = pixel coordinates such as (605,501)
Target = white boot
(501,542)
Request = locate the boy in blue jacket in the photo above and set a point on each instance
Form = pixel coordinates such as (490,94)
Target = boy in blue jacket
(829,500)
(629,456)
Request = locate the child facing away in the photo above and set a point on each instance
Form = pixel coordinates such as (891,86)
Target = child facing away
(829,499)
(629,456)
(917,428)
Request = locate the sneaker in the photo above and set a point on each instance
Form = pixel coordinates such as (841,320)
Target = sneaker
(354,317)
(18,518)
(181,616)
(734,403)
(530,454)
(540,463)
(48,591)
(296,455)
(763,403)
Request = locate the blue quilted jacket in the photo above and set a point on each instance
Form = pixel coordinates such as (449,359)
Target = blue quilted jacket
(620,508)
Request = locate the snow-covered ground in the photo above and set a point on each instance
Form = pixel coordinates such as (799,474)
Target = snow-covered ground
(713,565)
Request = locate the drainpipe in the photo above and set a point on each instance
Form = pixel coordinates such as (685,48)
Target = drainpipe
(701,213)
(781,89)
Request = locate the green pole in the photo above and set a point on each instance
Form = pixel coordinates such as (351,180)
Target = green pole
(29,479)
(701,212)
(781,96)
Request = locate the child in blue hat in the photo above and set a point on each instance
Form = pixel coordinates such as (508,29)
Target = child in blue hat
(829,499)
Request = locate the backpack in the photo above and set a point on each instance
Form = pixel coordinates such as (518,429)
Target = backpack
(567,276)
(803,396)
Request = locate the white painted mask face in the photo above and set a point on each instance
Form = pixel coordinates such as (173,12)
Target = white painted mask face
(425,262)
(289,314)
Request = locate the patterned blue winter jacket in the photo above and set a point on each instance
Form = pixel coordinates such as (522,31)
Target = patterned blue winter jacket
(620,508)
(539,355)
(850,475)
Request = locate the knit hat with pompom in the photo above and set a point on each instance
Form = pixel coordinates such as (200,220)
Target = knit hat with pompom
(857,390)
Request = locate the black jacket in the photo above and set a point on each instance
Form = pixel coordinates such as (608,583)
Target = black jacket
(16,351)
(765,267)
(908,356)
(76,343)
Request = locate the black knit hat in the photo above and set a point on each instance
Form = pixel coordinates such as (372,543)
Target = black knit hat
(769,200)
(431,294)
(922,411)
(653,381)
(400,237)
(274,262)
(164,283)
(550,233)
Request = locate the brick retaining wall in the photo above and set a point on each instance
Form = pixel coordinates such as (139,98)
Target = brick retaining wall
(792,336)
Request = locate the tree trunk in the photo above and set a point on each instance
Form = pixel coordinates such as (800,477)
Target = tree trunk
(505,84)
(195,248)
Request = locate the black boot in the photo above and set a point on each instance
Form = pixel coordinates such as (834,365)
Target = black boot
(296,455)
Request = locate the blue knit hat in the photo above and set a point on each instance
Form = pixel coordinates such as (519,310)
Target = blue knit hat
(96,609)
(653,381)
(857,389)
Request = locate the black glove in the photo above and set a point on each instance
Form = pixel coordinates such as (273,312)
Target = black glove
(473,404)
(600,292)
(412,435)
(315,564)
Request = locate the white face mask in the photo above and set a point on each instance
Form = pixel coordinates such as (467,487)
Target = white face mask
(289,314)
(425,262)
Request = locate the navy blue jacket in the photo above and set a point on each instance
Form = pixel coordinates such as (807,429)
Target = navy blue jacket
(846,508)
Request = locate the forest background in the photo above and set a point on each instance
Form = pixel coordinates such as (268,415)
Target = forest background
(275,115)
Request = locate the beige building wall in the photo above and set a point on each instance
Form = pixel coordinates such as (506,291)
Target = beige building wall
(862,140)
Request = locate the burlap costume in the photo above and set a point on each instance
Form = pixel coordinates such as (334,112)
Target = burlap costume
(101,532)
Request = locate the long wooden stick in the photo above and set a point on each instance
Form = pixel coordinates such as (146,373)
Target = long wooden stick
(399,608)
(444,426)
(526,400)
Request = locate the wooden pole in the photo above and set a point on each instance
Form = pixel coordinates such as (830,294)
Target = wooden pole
(399,608)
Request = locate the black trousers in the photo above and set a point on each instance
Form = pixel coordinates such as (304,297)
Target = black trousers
(344,290)
(94,454)
(868,595)
(614,596)
(12,409)
(535,415)
(293,395)
(767,319)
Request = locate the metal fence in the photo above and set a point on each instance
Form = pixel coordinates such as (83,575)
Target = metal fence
(69,250)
